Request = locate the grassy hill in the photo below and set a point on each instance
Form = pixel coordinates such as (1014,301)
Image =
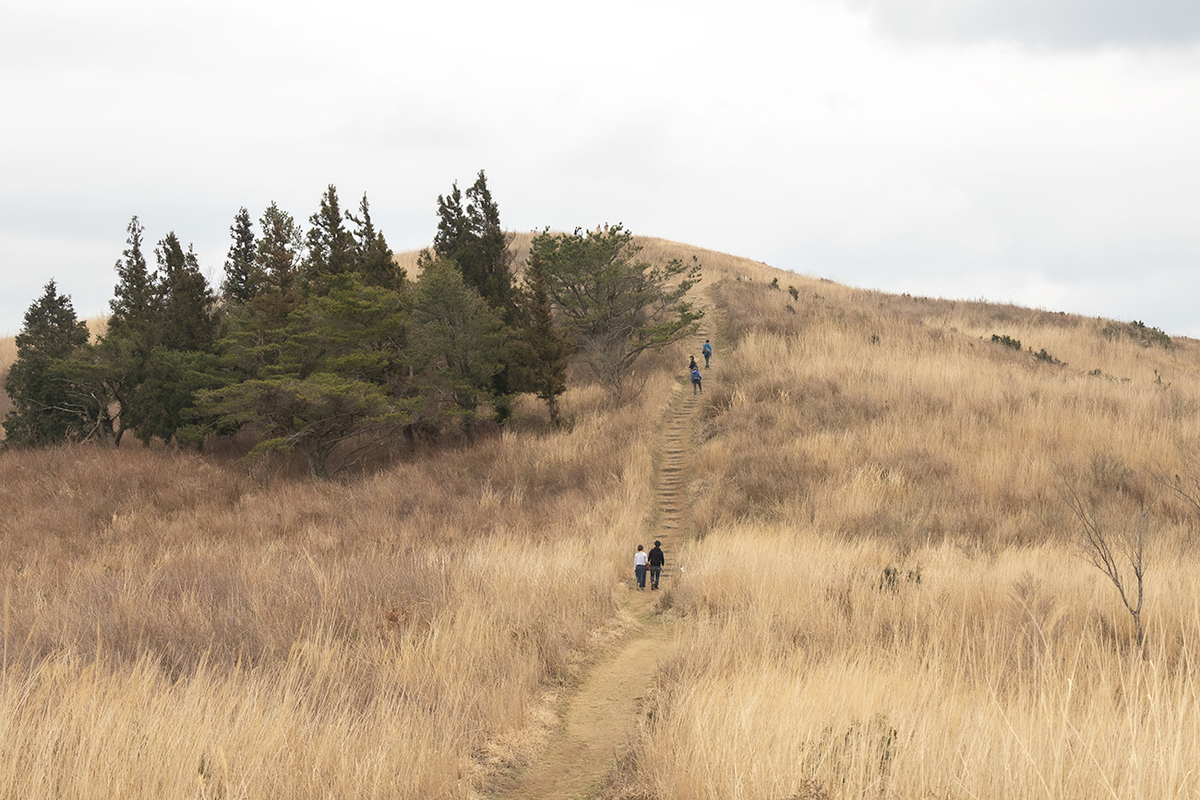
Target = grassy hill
(884,592)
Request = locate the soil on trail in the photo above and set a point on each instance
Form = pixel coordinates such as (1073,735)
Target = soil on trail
(599,717)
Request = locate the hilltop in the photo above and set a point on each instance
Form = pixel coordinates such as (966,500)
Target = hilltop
(882,588)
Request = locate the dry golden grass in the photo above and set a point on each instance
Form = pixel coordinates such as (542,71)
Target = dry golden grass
(861,436)
(179,626)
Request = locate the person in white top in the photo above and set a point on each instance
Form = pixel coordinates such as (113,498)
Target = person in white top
(639,567)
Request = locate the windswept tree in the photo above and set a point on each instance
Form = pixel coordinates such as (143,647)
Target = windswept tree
(333,385)
(242,277)
(615,305)
(46,407)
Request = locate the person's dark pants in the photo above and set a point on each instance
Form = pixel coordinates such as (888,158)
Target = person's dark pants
(706,357)
(640,571)
(696,387)
(655,574)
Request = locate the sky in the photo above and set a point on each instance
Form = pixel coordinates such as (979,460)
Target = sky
(1042,152)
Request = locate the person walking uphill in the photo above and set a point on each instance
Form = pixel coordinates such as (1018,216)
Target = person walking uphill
(657,561)
(696,383)
(639,568)
(707,350)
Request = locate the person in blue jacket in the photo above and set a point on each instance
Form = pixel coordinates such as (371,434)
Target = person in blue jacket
(696,383)
(707,350)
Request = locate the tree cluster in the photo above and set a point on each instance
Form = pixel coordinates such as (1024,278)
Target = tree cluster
(319,343)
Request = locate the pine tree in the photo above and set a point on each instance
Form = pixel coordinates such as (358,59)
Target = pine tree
(45,407)
(332,386)
(459,341)
(133,303)
(616,306)
(453,227)
(186,318)
(331,250)
(545,351)
(278,261)
(242,278)
(473,239)
(374,257)
(490,267)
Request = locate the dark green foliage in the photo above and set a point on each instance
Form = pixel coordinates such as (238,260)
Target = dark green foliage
(185,302)
(541,362)
(473,239)
(133,297)
(775,284)
(160,407)
(794,292)
(374,257)
(277,259)
(45,408)
(1007,341)
(242,277)
(1139,332)
(333,382)
(615,306)
(459,342)
(1042,355)
(331,248)
(314,415)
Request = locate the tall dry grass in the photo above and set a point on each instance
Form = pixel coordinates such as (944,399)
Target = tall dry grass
(175,626)
(885,596)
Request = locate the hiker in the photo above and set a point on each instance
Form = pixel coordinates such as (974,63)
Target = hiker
(657,561)
(639,568)
(692,365)
(707,350)
(696,383)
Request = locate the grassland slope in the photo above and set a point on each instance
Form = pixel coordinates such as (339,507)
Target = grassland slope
(882,595)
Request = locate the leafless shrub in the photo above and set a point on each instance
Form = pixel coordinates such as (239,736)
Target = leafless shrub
(1117,550)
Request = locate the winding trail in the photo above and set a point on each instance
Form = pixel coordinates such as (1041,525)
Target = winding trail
(598,719)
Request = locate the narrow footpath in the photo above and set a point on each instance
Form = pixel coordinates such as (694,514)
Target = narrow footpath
(598,718)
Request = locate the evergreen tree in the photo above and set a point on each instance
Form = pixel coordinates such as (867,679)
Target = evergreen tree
(186,318)
(332,383)
(133,303)
(453,227)
(331,249)
(45,407)
(278,262)
(242,278)
(541,363)
(473,239)
(458,341)
(374,257)
(489,267)
(616,306)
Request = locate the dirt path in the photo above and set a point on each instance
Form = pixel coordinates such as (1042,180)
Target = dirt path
(599,717)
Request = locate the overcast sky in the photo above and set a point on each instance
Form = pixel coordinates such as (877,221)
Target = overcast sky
(1042,152)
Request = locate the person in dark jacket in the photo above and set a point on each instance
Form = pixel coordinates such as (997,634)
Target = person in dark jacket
(657,561)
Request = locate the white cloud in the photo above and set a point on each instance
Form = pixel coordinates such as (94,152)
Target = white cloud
(791,132)
(1048,23)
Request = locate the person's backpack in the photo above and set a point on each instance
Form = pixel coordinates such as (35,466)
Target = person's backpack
(707,349)
(695,376)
